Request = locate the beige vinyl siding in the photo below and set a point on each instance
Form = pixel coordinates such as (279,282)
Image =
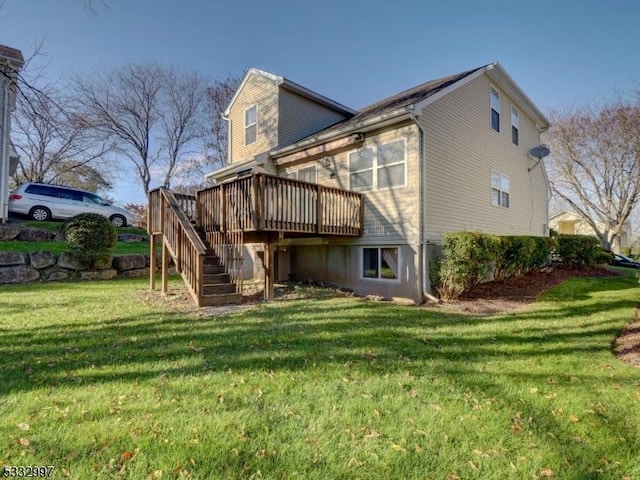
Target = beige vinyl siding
(300,117)
(461,151)
(390,215)
(262,91)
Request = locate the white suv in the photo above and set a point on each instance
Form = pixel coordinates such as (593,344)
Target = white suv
(45,202)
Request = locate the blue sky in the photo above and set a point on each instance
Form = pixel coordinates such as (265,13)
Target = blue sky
(561,52)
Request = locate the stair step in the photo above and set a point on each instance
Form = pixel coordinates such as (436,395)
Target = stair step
(209,273)
(218,288)
(221,299)
(212,260)
(216,278)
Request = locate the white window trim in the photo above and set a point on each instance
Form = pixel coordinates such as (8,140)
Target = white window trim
(375,167)
(380,280)
(515,109)
(500,190)
(250,125)
(304,167)
(491,90)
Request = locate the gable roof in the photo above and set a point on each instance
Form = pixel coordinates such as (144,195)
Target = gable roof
(12,54)
(413,100)
(292,86)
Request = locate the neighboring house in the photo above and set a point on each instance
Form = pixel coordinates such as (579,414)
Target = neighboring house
(569,223)
(11,62)
(449,155)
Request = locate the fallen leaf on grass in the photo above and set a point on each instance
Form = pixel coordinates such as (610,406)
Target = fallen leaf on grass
(23,442)
(573,419)
(547,472)
(24,426)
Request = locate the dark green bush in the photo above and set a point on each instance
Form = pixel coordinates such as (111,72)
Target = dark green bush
(467,260)
(91,237)
(579,251)
(513,256)
(469,257)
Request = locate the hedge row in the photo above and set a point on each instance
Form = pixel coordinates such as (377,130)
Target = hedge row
(470,257)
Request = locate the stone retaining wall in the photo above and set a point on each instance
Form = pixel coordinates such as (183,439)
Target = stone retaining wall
(45,266)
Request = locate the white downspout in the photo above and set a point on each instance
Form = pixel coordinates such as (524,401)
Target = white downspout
(425,281)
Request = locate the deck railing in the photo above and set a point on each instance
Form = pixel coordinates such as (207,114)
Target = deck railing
(179,237)
(268,203)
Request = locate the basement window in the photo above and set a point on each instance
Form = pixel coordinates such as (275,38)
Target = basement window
(381,263)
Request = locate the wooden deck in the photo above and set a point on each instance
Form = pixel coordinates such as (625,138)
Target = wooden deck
(266,203)
(207,232)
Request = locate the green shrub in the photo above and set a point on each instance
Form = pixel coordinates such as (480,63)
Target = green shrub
(467,260)
(469,257)
(579,251)
(513,256)
(91,237)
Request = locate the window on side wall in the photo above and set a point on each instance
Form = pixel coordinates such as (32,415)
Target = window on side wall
(361,169)
(515,125)
(495,109)
(381,166)
(499,189)
(381,263)
(307,174)
(251,124)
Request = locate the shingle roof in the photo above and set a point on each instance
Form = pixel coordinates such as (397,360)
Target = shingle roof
(396,102)
(11,53)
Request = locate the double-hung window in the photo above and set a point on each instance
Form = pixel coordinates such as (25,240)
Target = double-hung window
(382,263)
(515,125)
(251,124)
(499,189)
(379,166)
(495,109)
(307,174)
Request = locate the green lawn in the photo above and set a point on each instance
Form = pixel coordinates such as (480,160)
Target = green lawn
(101,381)
(121,248)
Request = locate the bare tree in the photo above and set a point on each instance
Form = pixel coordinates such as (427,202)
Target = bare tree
(217,99)
(182,120)
(122,105)
(55,144)
(595,165)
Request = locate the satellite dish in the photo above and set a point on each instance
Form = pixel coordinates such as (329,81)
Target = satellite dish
(540,151)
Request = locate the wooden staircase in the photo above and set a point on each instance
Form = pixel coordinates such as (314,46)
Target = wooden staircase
(205,234)
(197,259)
(217,287)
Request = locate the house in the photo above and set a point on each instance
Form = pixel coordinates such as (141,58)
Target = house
(570,223)
(362,198)
(11,61)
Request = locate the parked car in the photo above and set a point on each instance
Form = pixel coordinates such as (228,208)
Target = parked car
(624,261)
(45,202)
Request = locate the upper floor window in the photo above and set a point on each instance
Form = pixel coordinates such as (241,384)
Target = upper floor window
(251,124)
(307,174)
(515,125)
(499,189)
(495,109)
(382,166)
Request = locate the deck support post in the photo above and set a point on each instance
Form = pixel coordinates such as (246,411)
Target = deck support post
(268,271)
(165,268)
(152,261)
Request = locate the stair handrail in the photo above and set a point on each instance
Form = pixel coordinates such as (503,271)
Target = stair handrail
(179,237)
